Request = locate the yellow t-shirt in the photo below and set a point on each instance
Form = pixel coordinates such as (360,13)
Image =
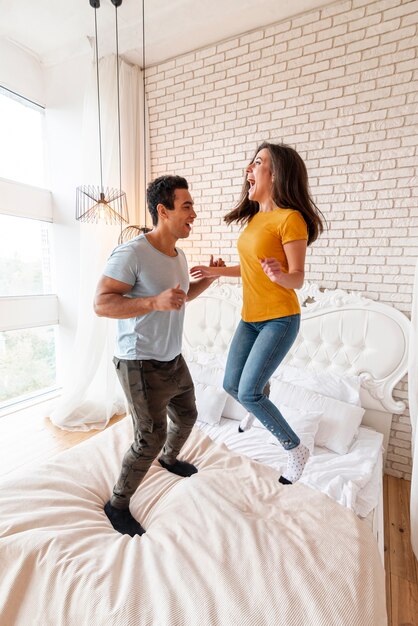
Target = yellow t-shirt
(264,236)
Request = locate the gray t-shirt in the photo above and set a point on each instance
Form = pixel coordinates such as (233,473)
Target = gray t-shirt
(156,335)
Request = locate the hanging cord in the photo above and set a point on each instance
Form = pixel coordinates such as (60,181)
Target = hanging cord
(145,125)
(98,97)
(119,134)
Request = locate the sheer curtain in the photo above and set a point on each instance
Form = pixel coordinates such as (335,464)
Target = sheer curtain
(92,394)
(413,411)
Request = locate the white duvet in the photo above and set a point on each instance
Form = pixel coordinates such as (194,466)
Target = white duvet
(229,546)
(351,479)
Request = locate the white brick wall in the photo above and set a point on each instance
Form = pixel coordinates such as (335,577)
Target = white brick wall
(339,84)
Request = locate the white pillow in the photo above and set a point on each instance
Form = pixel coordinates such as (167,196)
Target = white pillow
(233,409)
(344,388)
(210,401)
(210,395)
(339,423)
(338,426)
(208,374)
(304,423)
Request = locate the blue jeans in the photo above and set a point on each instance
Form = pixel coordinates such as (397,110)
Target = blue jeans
(256,350)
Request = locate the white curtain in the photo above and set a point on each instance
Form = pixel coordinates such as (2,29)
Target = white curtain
(92,394)
(413,411)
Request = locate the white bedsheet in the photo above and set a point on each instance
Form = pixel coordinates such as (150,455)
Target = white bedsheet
(352,479)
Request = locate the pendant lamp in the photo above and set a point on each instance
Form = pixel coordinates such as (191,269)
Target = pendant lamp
(132,230)
(99,204)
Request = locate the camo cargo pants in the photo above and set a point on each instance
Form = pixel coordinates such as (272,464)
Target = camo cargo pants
(153,389)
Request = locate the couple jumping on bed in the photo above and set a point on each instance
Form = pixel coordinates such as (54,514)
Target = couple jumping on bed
(145,285)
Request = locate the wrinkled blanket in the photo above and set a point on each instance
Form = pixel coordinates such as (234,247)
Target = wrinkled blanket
(228,546)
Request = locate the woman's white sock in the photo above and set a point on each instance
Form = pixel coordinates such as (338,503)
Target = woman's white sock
(296,461)
(246,423)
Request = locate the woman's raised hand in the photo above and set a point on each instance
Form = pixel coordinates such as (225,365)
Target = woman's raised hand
(218,263)
(206,271)
(272,269)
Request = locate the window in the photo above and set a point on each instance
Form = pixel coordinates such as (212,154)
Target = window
(25,256)
(28,306)
(27,363)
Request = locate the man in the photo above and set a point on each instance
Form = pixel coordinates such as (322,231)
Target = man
(145,286)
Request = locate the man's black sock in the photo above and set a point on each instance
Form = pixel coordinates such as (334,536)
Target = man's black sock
(181,468)
(122,521)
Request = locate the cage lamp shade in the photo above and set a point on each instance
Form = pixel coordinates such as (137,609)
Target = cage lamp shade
(107,206)
(96,204)
(132,231)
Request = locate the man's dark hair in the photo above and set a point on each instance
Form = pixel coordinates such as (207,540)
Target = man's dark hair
(161,191)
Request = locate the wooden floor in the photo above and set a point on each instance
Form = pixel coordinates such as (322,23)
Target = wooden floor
(27,438)
(400,563)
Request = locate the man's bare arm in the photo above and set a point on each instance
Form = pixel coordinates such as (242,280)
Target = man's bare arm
(110,300)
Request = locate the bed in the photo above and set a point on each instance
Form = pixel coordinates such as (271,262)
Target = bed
(360,344)
(229,545)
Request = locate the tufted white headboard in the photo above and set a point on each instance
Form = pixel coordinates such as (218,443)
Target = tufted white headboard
(342,332)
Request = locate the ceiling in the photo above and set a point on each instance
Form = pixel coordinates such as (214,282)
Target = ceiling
(54,30)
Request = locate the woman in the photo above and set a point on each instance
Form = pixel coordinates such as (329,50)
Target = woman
(280,220)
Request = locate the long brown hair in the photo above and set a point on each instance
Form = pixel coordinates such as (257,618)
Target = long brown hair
(290,189)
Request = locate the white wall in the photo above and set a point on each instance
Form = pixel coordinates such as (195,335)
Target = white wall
(340,84)
(21,72)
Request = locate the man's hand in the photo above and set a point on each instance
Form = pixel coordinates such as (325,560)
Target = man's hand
(170,299)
